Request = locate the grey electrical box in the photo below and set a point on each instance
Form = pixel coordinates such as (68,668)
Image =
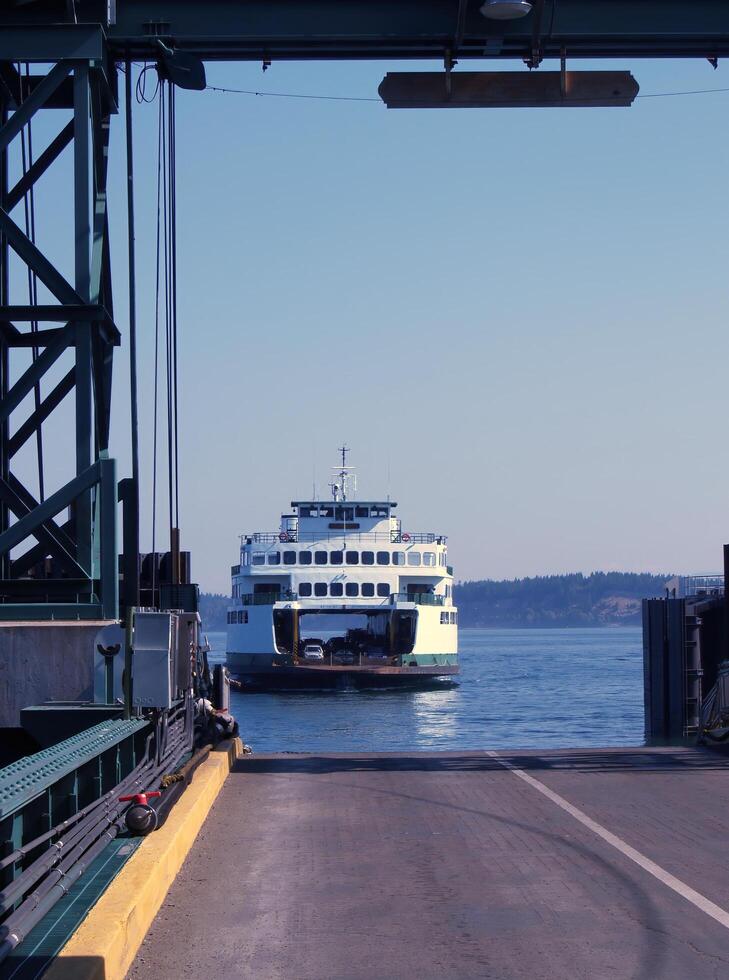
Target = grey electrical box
(155,636)
(188,628)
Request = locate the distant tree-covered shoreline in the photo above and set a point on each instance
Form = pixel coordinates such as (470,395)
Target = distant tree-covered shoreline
(598,599)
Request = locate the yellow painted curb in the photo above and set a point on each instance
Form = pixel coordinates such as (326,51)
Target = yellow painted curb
(106,942)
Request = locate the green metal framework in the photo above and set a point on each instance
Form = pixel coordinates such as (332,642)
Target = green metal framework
(40,791)
(81,546)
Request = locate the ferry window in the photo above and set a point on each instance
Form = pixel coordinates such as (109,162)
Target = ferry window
(352,589)
(274,558)
(344,513)
(368,557)
(429,558)
(320,588)
(258,558)
(444,617)
(413,557)
(352,557)
(246,558)
(398,558)
(368,589)
(326,512)
(304,588)
(289,557)
(336,557)
(361,512)
(229,615)
(383,590)
(379,511)
(320,557)
(242,617)
(305,558)
(305,512)
(336,589)
(383,557)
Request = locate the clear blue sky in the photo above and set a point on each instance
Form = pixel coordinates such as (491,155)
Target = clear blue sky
(517,319)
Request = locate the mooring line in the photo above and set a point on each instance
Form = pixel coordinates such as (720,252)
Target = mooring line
(701,902)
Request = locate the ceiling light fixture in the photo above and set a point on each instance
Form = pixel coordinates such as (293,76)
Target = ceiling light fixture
(505,9)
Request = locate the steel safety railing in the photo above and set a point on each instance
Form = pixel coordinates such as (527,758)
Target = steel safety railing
(419,598)
(271,598)
(702,585)
(266,598)
(359,537)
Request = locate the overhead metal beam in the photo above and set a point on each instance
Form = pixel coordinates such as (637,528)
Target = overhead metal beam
(352,29)
(279,29)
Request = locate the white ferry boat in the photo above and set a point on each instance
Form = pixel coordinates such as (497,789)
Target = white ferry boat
(342,594)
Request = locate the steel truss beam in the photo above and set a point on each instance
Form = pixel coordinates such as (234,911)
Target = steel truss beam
(80,551)
(350,29)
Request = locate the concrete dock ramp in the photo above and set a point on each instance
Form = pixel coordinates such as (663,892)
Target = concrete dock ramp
(570,864)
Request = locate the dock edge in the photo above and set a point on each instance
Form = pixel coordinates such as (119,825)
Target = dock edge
(107,940)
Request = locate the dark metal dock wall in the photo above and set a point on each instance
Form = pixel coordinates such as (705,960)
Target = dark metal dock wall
(683,643)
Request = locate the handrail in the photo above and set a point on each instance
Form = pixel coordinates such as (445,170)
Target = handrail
(271,598)
(390,537)
(266,598)
(419,598)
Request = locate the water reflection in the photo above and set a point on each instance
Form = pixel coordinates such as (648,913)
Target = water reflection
(435,715)
(519,689)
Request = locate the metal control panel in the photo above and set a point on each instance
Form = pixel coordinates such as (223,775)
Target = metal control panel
(154,655)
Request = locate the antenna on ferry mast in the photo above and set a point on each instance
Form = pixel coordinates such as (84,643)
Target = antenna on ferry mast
(343,473)
(346,477)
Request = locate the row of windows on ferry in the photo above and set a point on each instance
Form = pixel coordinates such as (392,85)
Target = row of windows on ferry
(412,558)
(340,513)
(351,589)
(240,616)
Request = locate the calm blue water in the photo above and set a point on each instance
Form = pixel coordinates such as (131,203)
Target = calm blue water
(562,688)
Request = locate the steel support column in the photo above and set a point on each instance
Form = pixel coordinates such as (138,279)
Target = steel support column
(73,560)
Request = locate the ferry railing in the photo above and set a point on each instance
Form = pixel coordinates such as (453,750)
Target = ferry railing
(384,537)
(419,598)
(266,598)
(271,598)
(702,585)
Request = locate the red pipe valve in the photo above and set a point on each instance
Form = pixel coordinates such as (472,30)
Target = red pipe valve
(140,817)
(140,798)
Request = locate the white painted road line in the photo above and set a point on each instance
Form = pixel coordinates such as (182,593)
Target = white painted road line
(717,913)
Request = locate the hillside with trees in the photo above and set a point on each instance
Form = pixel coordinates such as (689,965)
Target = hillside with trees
(598,599)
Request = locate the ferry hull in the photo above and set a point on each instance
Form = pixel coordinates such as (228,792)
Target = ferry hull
(325,677)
